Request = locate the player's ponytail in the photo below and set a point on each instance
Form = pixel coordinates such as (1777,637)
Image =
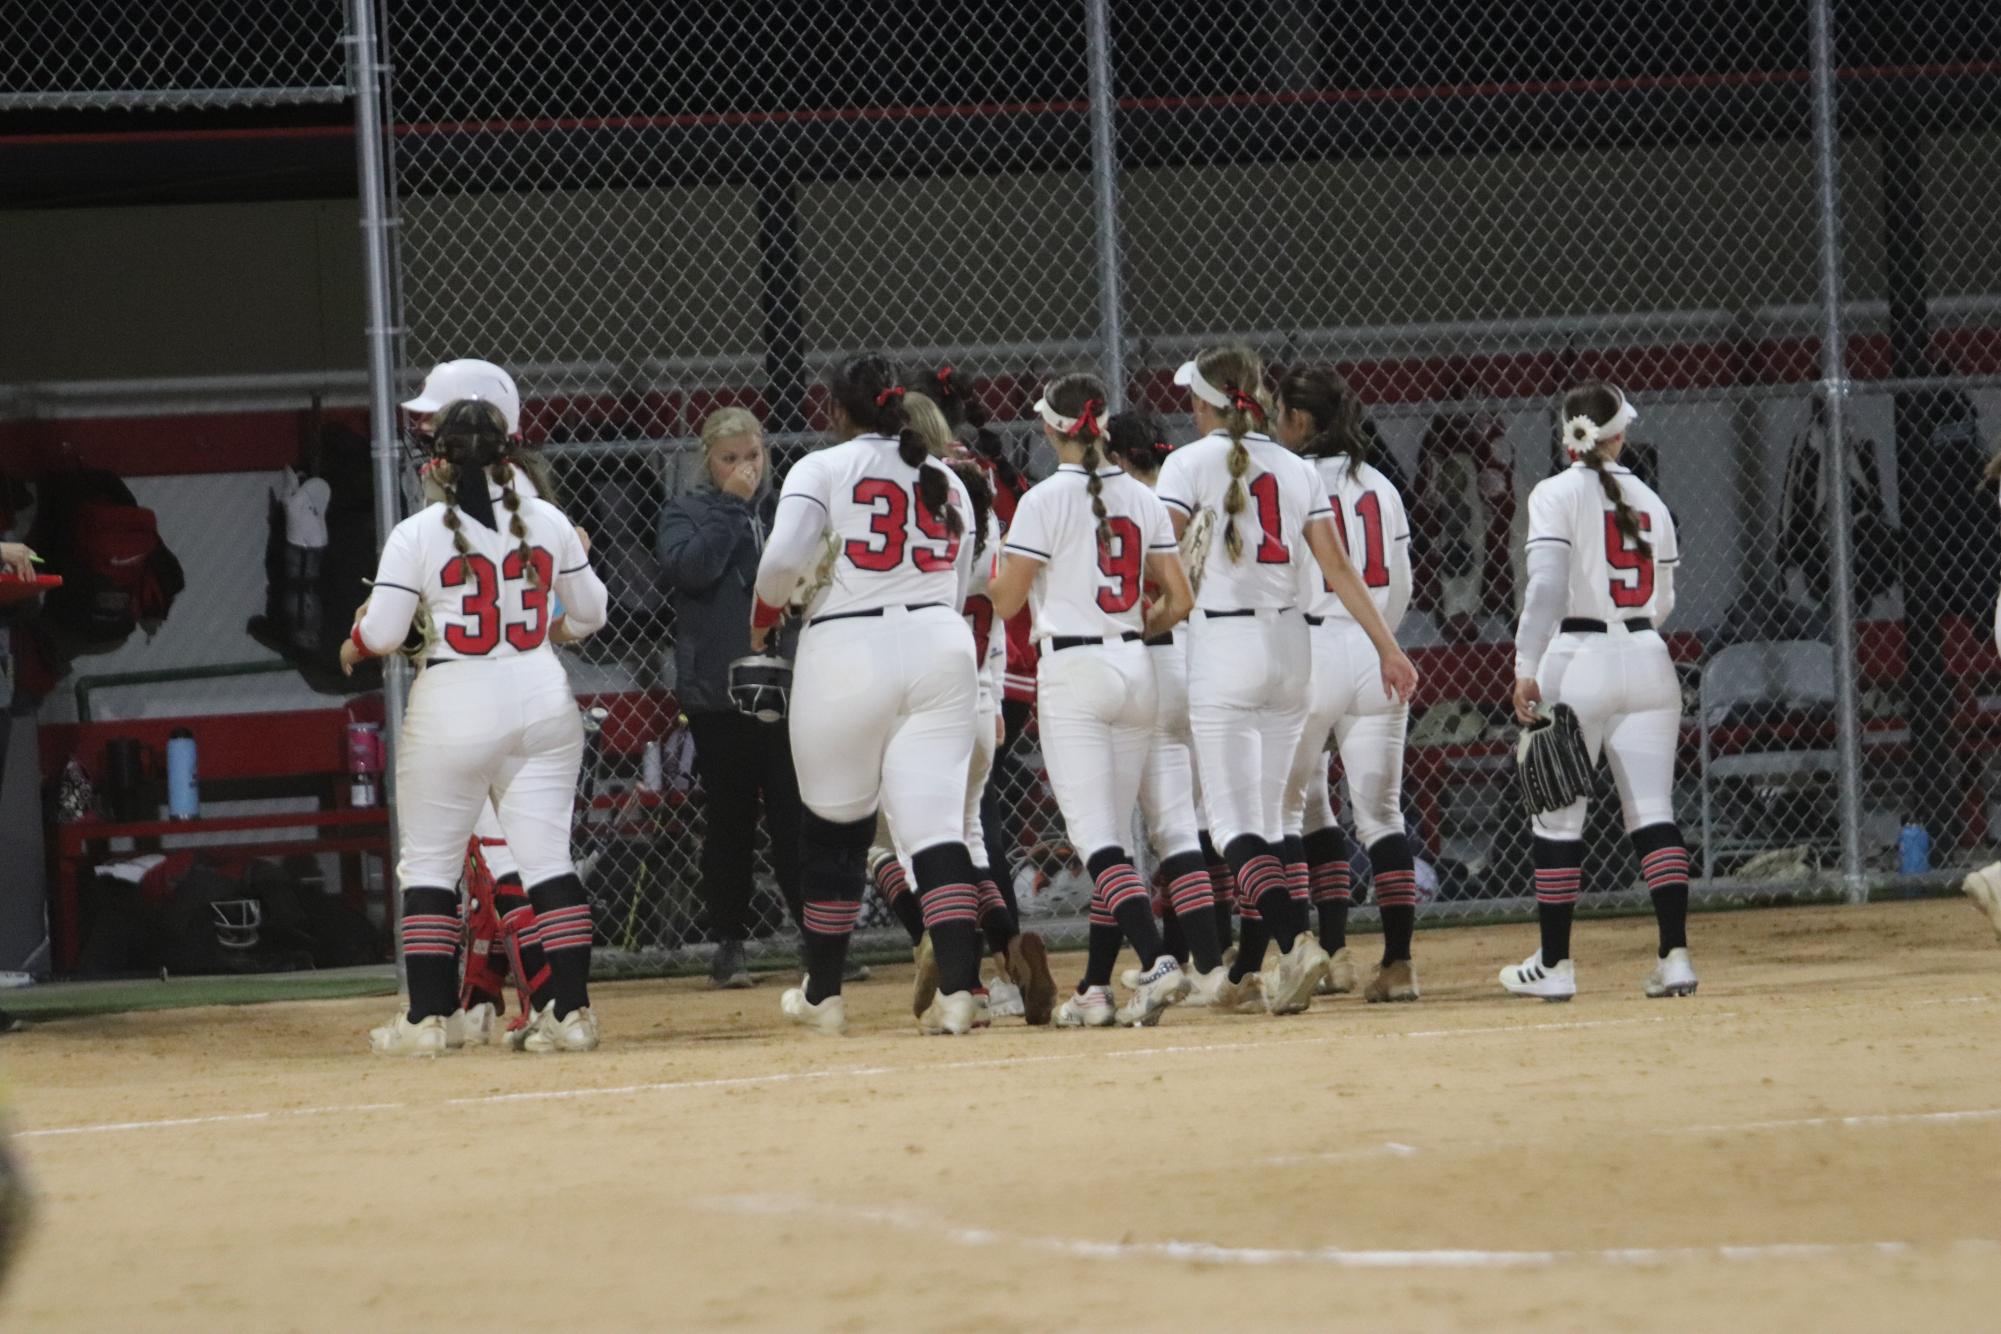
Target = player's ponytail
(866,391)
(1079,404)
(1586,409)
(471,440)
(1136,441)
(981,493)
(512,500)
(1239,373)
(1336,412)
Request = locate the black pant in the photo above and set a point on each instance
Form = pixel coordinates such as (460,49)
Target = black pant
(737,757)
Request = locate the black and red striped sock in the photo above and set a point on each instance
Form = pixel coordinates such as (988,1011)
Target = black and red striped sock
(828,923)
(1125,897)
(1224,885)
(517,922)
(431,950)
(1101,949)
(1559,873)
(563,921)
(997,924)
(949,897)
(894,887)
(1327,884)
(1191,898)
(1664,865)
(1298,883)
(1396,894)
(1261,885)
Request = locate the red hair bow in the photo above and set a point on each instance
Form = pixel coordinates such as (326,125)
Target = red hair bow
(1243,402)
(1087,418)
(894,391)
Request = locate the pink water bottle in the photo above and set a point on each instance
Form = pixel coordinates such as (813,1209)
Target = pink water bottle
(364,762)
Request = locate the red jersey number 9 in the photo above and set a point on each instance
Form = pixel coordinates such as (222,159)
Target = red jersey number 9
(1119,561)
(1632,581)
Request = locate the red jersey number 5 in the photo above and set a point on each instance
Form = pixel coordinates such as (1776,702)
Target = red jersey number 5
(1632,569)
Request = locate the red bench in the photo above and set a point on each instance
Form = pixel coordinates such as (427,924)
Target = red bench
(301,753)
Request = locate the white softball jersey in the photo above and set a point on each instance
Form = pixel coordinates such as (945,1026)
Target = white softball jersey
(1284,495)
(1083,589)
(1610,578)
(1370,520)
(989,633)
(893,553)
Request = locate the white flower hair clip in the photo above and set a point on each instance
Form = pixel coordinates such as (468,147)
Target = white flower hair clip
(1580,435)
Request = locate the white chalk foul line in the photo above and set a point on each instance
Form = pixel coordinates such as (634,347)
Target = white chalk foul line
(225,1118)
(937,1227)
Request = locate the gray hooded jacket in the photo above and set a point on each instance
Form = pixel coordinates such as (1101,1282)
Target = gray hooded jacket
(709,546)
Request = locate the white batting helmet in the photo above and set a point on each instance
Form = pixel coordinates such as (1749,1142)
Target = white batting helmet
(469,377)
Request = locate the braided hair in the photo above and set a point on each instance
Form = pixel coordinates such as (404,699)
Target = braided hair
(472,447)
(1238,372)
(866,390)
(1136,439)
(1600,403)
(981,493)
(1336,410)
(1083,397)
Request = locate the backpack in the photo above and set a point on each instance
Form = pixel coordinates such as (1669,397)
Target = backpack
(118,575)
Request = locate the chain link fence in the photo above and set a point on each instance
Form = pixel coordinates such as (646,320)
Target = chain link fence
(1768,224)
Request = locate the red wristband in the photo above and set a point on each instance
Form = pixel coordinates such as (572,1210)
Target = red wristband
(359,643)
(763,615)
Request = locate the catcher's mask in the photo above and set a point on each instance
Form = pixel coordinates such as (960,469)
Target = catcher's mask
(237,922)
(761,686)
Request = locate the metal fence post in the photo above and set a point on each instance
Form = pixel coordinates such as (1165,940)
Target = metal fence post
(1833,392)
(1105,201)
(364,55)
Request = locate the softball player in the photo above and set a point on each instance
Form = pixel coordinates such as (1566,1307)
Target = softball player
(1601,557)
(1248,658)
(1083,544)
(492,716)
(884,687)
(1167,796)
(1984,885)
(1320,416)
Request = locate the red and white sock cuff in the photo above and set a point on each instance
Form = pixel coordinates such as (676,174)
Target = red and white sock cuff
(989,895)
(1665,868)
(1298,881)
(1329,883)
(1192,893)
(950,903)
(1118,885)
(1559,884)
(430,935)
(1396,889)
(890,880)
(565,928)
(831,917)
(1261,875)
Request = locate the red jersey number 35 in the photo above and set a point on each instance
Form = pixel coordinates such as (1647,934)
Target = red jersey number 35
(895,507)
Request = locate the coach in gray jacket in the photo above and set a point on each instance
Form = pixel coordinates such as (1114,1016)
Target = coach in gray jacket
(710,541)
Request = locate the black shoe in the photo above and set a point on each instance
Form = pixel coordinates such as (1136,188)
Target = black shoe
(729,971)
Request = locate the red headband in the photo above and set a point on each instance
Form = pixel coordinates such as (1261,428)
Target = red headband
(1087,418)
(944,376)
(1162,448)
(894,391)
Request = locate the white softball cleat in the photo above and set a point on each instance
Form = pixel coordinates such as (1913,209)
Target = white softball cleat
(952,1014)
(575,1032)
(1203,987)
(400,1037)
(1531,978)
(1089,1008)
(1392,982)
(1244,996)
(1672,976)
(1289,979)
(1984,888)
(473,1027)
(1159,987)
(829,1017)
(1004,1000)
(1340,978)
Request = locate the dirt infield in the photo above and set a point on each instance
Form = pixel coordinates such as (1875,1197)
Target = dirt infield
(1814,1141)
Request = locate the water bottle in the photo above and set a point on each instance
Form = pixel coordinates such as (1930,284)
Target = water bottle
(652,770)
(183,788)
(364,763)
(1914,850)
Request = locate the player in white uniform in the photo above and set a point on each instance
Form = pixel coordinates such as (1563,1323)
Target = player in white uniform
(1080,551)
(492,716)
(1248,659)
(884,687)
(1601,558)
(1188,897)
(1320,415)
(1024,987)
(449,382)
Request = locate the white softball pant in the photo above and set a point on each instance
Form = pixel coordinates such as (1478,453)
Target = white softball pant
(1247,689)
(493,843)
(1623,688)
(479,729)
(1095,709)
(1167,785)
(985,710)
(1347,699)
(882,715)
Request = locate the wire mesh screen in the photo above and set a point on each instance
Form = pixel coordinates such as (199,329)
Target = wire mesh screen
(1465,209)
(158,56)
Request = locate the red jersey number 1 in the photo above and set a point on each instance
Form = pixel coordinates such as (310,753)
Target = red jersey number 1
(1272,549)
(1369,513)
(1632,581)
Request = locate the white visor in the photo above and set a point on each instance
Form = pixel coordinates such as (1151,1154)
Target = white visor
(1581,434)
(1058,423)
(1189,378)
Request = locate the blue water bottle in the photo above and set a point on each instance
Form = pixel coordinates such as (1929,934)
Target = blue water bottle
(183,789)
(1914,850)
